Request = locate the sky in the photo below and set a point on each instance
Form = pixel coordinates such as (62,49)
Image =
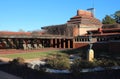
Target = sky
(29,15)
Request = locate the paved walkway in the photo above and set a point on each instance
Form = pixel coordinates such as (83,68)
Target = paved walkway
(5,59)
(4,75)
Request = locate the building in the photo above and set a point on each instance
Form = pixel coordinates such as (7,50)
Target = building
(56,36)
(106,39)
(76,26)
(73,34)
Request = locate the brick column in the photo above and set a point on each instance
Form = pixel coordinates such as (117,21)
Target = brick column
(64,43)
(59,43)
(5,43)
(73,43)
(51,43)
(56,43)
(68,43)
(24,44)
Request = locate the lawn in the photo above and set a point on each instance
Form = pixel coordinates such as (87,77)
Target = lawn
(30,55)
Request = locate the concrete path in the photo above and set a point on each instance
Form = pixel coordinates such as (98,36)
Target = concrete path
(4,75)
(1,63)
(5,59)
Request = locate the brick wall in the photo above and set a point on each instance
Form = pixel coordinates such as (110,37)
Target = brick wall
(110,47)
(114,47)
(75,31)
(99,47)
(80,45)
(96,46)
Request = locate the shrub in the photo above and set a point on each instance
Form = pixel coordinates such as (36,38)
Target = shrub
(37,67)
(60,55)
(79,64)
(59,62)
(17,61)
(83,54)
(118,63)
(41,68)
(51,56)
(106,63)
(75,67)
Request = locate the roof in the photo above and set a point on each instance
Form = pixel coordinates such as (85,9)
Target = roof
(102,35)
(105,32)
(46,27)
(8,34)
(111,26)
(2,33)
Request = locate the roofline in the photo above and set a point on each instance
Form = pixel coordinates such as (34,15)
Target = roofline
(39,37)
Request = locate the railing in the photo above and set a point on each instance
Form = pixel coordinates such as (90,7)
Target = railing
(98,39)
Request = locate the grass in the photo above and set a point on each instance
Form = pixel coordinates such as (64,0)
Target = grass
(30,55)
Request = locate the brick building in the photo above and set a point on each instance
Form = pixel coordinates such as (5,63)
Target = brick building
(73,34)
(106,39)
(76,26)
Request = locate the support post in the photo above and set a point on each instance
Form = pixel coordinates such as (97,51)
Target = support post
(64,43)
(56,43)
(51,43)
(68,43)
(59,43)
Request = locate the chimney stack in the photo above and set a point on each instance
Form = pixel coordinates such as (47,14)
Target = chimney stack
(84,13)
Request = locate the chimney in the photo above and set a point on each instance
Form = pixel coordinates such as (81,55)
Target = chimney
(84,13)
(80,12)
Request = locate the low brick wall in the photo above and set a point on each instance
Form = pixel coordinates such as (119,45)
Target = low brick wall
(98,47)
(110,47)
(114,47)
(80,45)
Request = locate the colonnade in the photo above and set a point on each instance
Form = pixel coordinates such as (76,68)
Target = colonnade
(34,43)
(61,43)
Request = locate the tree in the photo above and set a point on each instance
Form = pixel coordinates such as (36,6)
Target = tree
(108,20)
(117,16)
(21,30)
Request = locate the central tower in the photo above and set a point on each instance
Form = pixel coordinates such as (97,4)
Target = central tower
(85,21)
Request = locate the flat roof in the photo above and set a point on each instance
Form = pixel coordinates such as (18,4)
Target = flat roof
(36,36)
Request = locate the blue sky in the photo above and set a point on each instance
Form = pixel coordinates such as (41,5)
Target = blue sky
(33,14)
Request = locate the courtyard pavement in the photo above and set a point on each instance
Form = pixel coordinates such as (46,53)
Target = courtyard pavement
(4,75)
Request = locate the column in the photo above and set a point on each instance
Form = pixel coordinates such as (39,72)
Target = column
(55,43)
(68,43)
(24,45)
(64,43)
(59,43)
(40,43)
(73,43)
(51,43)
